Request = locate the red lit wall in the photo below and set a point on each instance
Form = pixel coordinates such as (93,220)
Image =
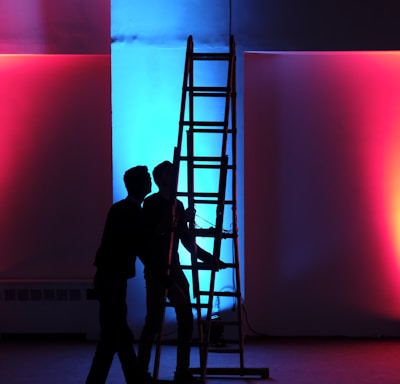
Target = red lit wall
(55,145)
(322,187)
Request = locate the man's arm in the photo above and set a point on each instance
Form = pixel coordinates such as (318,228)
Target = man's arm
(189,241)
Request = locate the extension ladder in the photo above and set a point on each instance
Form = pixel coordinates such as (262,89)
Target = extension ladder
(214,159)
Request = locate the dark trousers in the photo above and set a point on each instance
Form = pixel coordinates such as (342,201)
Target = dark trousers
(115,334)
(179,297)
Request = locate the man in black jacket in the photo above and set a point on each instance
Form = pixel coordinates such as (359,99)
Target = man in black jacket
(115,262)
(157,210)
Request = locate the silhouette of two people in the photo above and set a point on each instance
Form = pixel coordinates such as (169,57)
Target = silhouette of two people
(131,231)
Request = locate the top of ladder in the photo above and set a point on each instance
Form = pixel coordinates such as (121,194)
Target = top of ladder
(211,55)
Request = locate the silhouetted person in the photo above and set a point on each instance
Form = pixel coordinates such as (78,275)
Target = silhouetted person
(115,262)
(157,210)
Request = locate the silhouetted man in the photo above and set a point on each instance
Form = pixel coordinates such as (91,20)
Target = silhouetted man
(157,210)
(115,262)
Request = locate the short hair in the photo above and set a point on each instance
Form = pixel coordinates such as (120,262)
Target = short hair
(160,169)
(135,179)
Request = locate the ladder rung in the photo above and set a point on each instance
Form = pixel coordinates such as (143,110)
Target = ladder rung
(210,94)
(225,294)
(230,323)
(208,267)
(209,130)
(204,123)
(199,266)
(224,350)
(198,201)
(207,166)
(204,194)
(199,194)
(211,56)
(193,305)
(208,158)
(205,232)
(202,158)
(229,371)
(211,233)
(213,91)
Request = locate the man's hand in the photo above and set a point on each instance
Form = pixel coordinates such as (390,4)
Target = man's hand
(220,265)
(189,215)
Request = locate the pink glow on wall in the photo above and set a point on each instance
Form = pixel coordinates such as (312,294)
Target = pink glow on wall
(55,163)
(55,26)
(322,140)
(382,161)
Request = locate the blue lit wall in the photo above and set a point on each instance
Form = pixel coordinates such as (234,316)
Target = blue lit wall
(148,54)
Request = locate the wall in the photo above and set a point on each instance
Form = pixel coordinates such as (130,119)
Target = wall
(148,51)
(147,55)
(322,192)
(55,108)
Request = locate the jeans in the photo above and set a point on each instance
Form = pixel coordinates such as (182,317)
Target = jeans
(115,334)
(179,297)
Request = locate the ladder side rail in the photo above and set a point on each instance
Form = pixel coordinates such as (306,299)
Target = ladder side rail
(239,302)
(190,189)
(227,109)
(173,205)
(218,228)
(216,257)
(186,74)
(229,86)
(234,133)
(190,197)
(190,176)
(234,202)
(193,253)
(220,212)
(177,152)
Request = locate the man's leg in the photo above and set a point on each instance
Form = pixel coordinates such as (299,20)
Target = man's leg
(101,364)
(127,356)
(155,292)
(179,297)
(107,344)
(125,350)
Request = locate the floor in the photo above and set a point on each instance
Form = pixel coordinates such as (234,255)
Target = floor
(289,360)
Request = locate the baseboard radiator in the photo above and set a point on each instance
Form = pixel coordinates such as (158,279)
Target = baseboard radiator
(45,307)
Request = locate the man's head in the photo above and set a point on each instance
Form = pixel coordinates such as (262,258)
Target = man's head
(137,181)
(163,175)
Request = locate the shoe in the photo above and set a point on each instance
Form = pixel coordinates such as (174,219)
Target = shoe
(185,377)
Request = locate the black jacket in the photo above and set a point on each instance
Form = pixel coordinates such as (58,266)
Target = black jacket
(158,223)
(122,239)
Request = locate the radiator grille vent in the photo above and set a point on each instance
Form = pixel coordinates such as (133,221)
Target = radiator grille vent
(47,294)
(48,307)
